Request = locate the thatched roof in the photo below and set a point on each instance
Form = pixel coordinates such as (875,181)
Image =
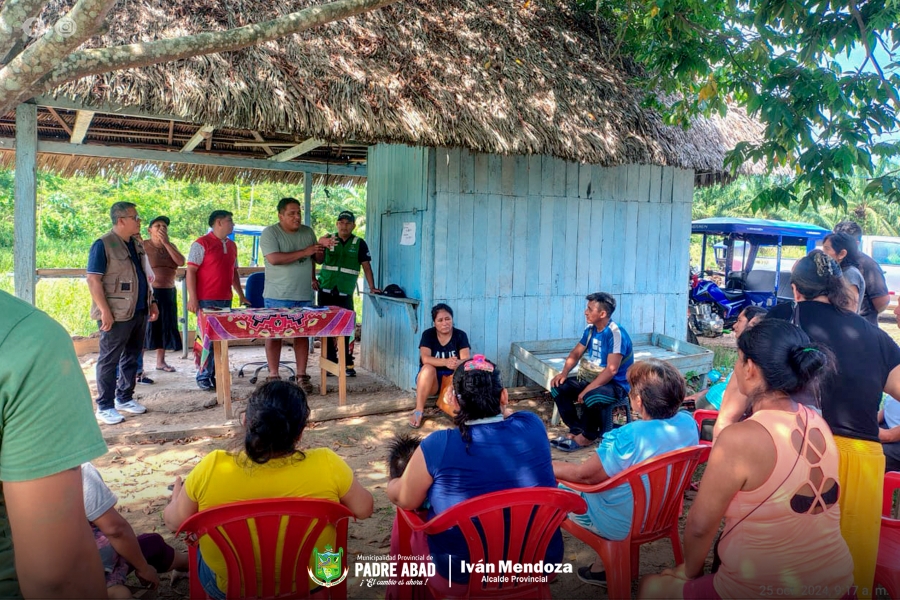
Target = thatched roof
(495,76)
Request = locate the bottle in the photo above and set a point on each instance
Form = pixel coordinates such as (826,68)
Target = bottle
(713,376)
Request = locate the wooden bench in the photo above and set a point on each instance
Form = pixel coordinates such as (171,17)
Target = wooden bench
(542,361)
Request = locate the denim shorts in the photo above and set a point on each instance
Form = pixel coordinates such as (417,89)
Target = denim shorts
(208,579)
(276,303)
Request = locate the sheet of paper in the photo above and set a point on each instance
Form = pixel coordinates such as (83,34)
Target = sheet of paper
(408,236)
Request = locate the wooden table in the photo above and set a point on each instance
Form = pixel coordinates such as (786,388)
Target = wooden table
(220,326)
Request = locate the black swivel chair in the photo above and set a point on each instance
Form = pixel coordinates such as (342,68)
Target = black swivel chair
(254,293)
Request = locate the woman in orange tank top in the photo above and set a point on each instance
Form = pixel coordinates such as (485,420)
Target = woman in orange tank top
(774,478)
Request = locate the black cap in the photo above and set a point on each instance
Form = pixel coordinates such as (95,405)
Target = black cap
(162,218)
(346,215)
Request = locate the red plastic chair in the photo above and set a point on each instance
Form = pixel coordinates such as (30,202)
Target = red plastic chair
(229,528)
(655,514)
(527,517)
(887,565)
(703,416)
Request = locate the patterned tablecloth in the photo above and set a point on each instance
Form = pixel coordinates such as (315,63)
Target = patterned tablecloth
(251,323)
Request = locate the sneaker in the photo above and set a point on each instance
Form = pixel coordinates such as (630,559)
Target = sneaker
(131,407)
(351,372)
(586,575)
(144,379)
(109,416)
(206,385)
(305,383)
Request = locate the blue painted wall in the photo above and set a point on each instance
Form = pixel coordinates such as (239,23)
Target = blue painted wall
(514,244)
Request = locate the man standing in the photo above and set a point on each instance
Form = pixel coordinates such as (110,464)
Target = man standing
(337,279)
(121,303)
(46,431)
(164,259)
(289,249)
(212,272)
(876,298)
(603,356)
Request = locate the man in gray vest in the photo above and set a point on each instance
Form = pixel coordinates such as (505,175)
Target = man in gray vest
(121,302)
(338,275)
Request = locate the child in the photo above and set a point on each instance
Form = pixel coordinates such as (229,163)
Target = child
(400,449)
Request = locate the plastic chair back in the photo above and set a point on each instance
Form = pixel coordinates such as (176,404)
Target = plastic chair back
(517,526)
(703,418)
(253,290)
(252,565)
(887,565)
(658,487)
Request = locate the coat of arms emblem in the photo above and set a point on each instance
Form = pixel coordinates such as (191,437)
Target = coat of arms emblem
(328,567)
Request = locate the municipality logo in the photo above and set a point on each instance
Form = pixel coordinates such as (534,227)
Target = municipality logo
(328,567)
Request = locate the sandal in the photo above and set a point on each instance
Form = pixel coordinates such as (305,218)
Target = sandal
(570,445)
(416,423)
(166,368)
(555,442)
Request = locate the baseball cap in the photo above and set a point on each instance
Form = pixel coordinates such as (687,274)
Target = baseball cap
(346,215)
(162,218)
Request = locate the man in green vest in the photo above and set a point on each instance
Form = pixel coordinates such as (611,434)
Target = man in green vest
(338,275)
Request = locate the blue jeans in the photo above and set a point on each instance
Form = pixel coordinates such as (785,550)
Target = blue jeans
(207,372)
(276,303)
(208,579)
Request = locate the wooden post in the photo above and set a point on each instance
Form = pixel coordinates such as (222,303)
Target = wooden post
(25,202)
(307,198)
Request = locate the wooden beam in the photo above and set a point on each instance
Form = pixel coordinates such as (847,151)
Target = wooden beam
(59,120)
(259,138)
(301,148)
(171,131)
(25,211)
(203,133)
(83,120)
(307,198)
(263,144)
(213,160)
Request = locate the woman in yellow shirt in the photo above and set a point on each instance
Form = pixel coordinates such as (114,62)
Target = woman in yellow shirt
(270,465)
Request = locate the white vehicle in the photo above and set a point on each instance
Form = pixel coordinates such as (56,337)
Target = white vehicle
(886,252)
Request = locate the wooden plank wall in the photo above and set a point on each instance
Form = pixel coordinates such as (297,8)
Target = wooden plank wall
(397,193)
(520,241)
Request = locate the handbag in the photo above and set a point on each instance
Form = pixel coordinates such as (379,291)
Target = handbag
(588,371)
(444,395)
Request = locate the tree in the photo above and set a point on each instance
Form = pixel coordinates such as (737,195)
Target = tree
(32,66)
(788,64)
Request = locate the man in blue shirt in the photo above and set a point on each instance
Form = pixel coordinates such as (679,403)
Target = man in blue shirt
(603,356)
(121,303)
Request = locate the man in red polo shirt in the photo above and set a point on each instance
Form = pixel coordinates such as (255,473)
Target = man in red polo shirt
(211,275)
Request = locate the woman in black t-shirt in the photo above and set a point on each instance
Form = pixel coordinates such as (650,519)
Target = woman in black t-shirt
(441,349)
(868,362)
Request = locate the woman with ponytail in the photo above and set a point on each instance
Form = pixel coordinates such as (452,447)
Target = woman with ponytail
(867,363)
(774,478)
(270,464)
(489,450)
(844,249)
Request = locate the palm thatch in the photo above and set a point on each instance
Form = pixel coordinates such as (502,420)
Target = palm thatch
(493,76)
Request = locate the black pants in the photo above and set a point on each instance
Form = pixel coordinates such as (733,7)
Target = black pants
(335,299)
(119,347)
(592,418)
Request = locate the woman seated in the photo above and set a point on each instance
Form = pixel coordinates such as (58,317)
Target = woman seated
(270,465)
(488,451)
(774,478)
(657,391)
(121,550)
(441,349)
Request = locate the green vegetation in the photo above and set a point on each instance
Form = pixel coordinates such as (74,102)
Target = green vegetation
(822,78)
(73,212)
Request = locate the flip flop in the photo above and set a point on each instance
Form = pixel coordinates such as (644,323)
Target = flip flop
(570,446)
(555,442)
(417,415)
(166,368)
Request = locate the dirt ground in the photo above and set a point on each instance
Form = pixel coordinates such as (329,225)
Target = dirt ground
(139,472)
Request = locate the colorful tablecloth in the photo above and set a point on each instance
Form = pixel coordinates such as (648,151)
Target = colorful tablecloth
(250,323)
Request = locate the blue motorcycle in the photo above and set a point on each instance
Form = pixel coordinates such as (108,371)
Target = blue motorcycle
(751,267)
